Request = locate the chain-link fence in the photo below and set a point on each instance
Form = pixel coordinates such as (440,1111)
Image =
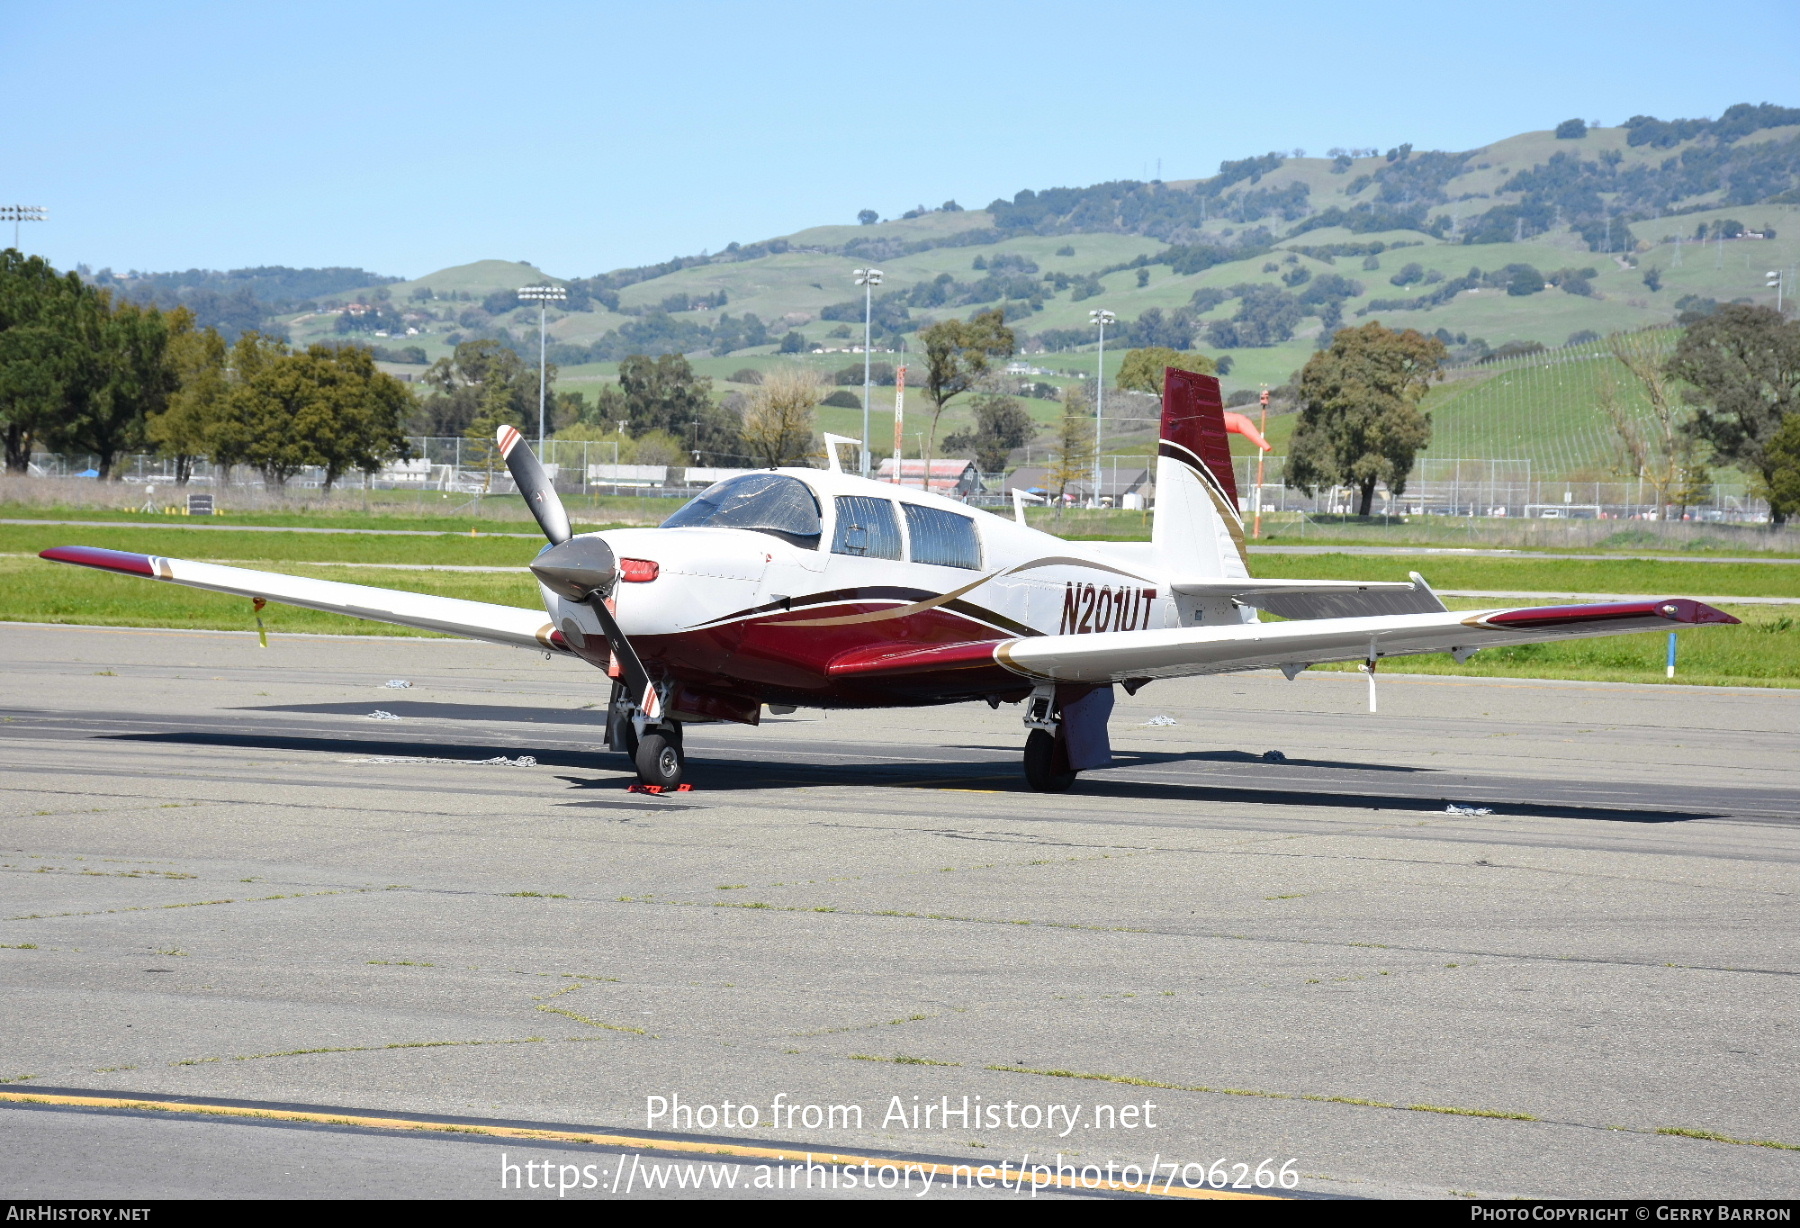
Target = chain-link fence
(1516,487)
(1503,488)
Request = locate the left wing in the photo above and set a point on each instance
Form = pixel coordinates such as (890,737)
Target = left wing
(1117,656)
(476,620)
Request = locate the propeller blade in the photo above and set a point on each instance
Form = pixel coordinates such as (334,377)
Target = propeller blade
(637,678)
(534,484)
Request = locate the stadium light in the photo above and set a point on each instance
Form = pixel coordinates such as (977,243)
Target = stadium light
(22,213)
(1102,319)
(868,279)
(543,296)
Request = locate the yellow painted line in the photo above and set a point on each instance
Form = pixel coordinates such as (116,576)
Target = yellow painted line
(577,1136)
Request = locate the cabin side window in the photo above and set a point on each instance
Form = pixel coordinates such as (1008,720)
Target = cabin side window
(866,528)
(943,539)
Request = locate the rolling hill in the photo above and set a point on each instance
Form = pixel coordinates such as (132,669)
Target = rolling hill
(1542,237)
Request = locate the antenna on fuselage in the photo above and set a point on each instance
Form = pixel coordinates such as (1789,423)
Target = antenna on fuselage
(1019,497)
(831,450)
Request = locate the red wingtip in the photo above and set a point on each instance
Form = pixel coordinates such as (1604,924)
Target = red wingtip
(105,560)
(1687,610)
(1674,609)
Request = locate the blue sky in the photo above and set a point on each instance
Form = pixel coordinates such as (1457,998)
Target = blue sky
(583,137)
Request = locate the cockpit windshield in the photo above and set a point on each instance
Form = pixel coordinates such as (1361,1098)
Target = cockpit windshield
(770,503)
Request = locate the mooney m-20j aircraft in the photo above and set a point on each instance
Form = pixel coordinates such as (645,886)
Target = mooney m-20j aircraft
(815,588)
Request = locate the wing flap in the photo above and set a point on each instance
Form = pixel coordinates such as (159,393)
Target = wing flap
(476,620)
(1312,599)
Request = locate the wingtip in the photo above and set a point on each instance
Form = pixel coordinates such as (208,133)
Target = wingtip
(1686,610)
(105,560)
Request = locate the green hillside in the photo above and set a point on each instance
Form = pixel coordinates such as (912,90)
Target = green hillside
(1534,238)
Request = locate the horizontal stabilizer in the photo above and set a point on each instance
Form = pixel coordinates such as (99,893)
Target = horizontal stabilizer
(476,620)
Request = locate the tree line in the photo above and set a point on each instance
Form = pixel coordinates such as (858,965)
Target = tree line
(84,371)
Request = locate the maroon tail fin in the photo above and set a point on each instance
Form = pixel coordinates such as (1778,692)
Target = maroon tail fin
(1193,421)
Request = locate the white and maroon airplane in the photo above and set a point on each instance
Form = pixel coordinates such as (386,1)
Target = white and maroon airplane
(814,588)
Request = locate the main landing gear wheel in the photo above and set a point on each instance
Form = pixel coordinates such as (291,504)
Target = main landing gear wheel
(1041,765)
(659,760)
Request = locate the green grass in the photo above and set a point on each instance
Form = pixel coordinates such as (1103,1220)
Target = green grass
(262,549)
(1503,415)
(32,590)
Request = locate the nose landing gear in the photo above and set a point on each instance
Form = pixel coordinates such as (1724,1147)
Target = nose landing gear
(653,746)
(659,758)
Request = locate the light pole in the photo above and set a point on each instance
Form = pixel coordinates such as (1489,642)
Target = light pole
(22,213)
(1102,319)
(543,296)
(868,279)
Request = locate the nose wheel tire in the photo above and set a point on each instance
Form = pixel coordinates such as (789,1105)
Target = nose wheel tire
(659,760)
(1043,772)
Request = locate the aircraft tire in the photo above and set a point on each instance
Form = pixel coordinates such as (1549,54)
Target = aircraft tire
(659,760)
(1040,765)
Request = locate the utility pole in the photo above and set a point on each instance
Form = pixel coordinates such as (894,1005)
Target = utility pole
(868,279)
(1102,319)
(543,296)
(22,213)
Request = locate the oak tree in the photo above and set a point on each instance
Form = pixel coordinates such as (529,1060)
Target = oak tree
(958,355)
(1001,424)
(188,426)
(778,424)
(1360,422)
(1741,368)
(1142,370)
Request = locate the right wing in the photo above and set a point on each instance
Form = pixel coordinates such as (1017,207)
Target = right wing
(1118,656)
(475,620)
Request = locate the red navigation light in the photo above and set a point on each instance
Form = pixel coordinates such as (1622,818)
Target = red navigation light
(638,571)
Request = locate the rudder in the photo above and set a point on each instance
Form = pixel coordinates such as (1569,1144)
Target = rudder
(1197,530)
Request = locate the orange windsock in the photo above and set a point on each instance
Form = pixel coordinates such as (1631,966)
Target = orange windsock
(1243,426)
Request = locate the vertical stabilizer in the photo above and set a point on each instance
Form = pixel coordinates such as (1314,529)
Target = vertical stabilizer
(1197,531)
